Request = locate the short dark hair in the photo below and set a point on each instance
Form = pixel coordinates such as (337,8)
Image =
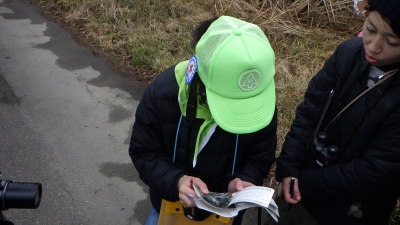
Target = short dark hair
(200,30)
(394,25)
(197,85)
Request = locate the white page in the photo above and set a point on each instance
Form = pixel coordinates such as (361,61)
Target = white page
(225,212)
(272,214)
(272,206)
(254,194)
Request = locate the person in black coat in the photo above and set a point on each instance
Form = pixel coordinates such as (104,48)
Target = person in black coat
(210,120)
(343,148)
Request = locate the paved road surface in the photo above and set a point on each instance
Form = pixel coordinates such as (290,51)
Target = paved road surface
(65,121)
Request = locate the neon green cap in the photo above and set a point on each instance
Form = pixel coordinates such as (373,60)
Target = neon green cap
(237,66)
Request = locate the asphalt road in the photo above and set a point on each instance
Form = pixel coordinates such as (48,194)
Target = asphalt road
(65,121)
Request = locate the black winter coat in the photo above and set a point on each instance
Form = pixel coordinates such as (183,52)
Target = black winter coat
(153,139)
(367,134)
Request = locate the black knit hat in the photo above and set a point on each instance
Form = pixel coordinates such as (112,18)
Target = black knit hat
(387,8)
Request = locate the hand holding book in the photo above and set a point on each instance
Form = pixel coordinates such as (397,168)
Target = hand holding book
(225,205)
(185,189)
(237,185)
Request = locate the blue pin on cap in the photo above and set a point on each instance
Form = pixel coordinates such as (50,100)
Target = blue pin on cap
(191,69)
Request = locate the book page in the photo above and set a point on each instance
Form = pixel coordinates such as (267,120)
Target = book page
(216,202)
(225,212)
(272,206)
(273,215)
(217,199)
(254,194)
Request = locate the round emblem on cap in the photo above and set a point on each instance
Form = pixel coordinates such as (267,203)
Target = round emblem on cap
(191,69)
(249,80)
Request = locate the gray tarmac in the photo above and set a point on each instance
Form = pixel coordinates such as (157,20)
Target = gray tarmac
(65,121)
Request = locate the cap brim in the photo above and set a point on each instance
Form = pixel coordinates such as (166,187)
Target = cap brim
(241,116)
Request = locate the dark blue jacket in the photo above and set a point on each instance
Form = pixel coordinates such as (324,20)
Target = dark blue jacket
(367,134)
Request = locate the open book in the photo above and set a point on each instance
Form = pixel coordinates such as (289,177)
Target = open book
(224,205)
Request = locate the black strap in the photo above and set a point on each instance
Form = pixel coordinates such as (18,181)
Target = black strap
(191,110)
(321,118)
(382,78)
(192,103)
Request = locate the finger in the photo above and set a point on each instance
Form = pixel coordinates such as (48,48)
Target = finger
(288,198)
(296,191)
(291,200)
(183,204)
(286,191)
(239,184)
(232,186)
(285,186)
(247,184)
(188,206)
(186,190)
(200,184)
(184,182)
(186,202)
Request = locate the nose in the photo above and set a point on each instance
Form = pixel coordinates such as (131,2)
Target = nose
(375,45)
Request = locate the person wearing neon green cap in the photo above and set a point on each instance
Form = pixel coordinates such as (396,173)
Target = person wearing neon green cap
(210,120)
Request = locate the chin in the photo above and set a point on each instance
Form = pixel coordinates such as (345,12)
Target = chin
(378,64)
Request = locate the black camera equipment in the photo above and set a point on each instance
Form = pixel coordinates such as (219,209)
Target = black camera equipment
(18,195)
(324,155)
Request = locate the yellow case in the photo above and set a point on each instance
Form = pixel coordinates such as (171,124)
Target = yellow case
(171,213)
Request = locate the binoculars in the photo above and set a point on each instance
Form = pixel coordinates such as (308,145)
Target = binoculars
(324,155)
